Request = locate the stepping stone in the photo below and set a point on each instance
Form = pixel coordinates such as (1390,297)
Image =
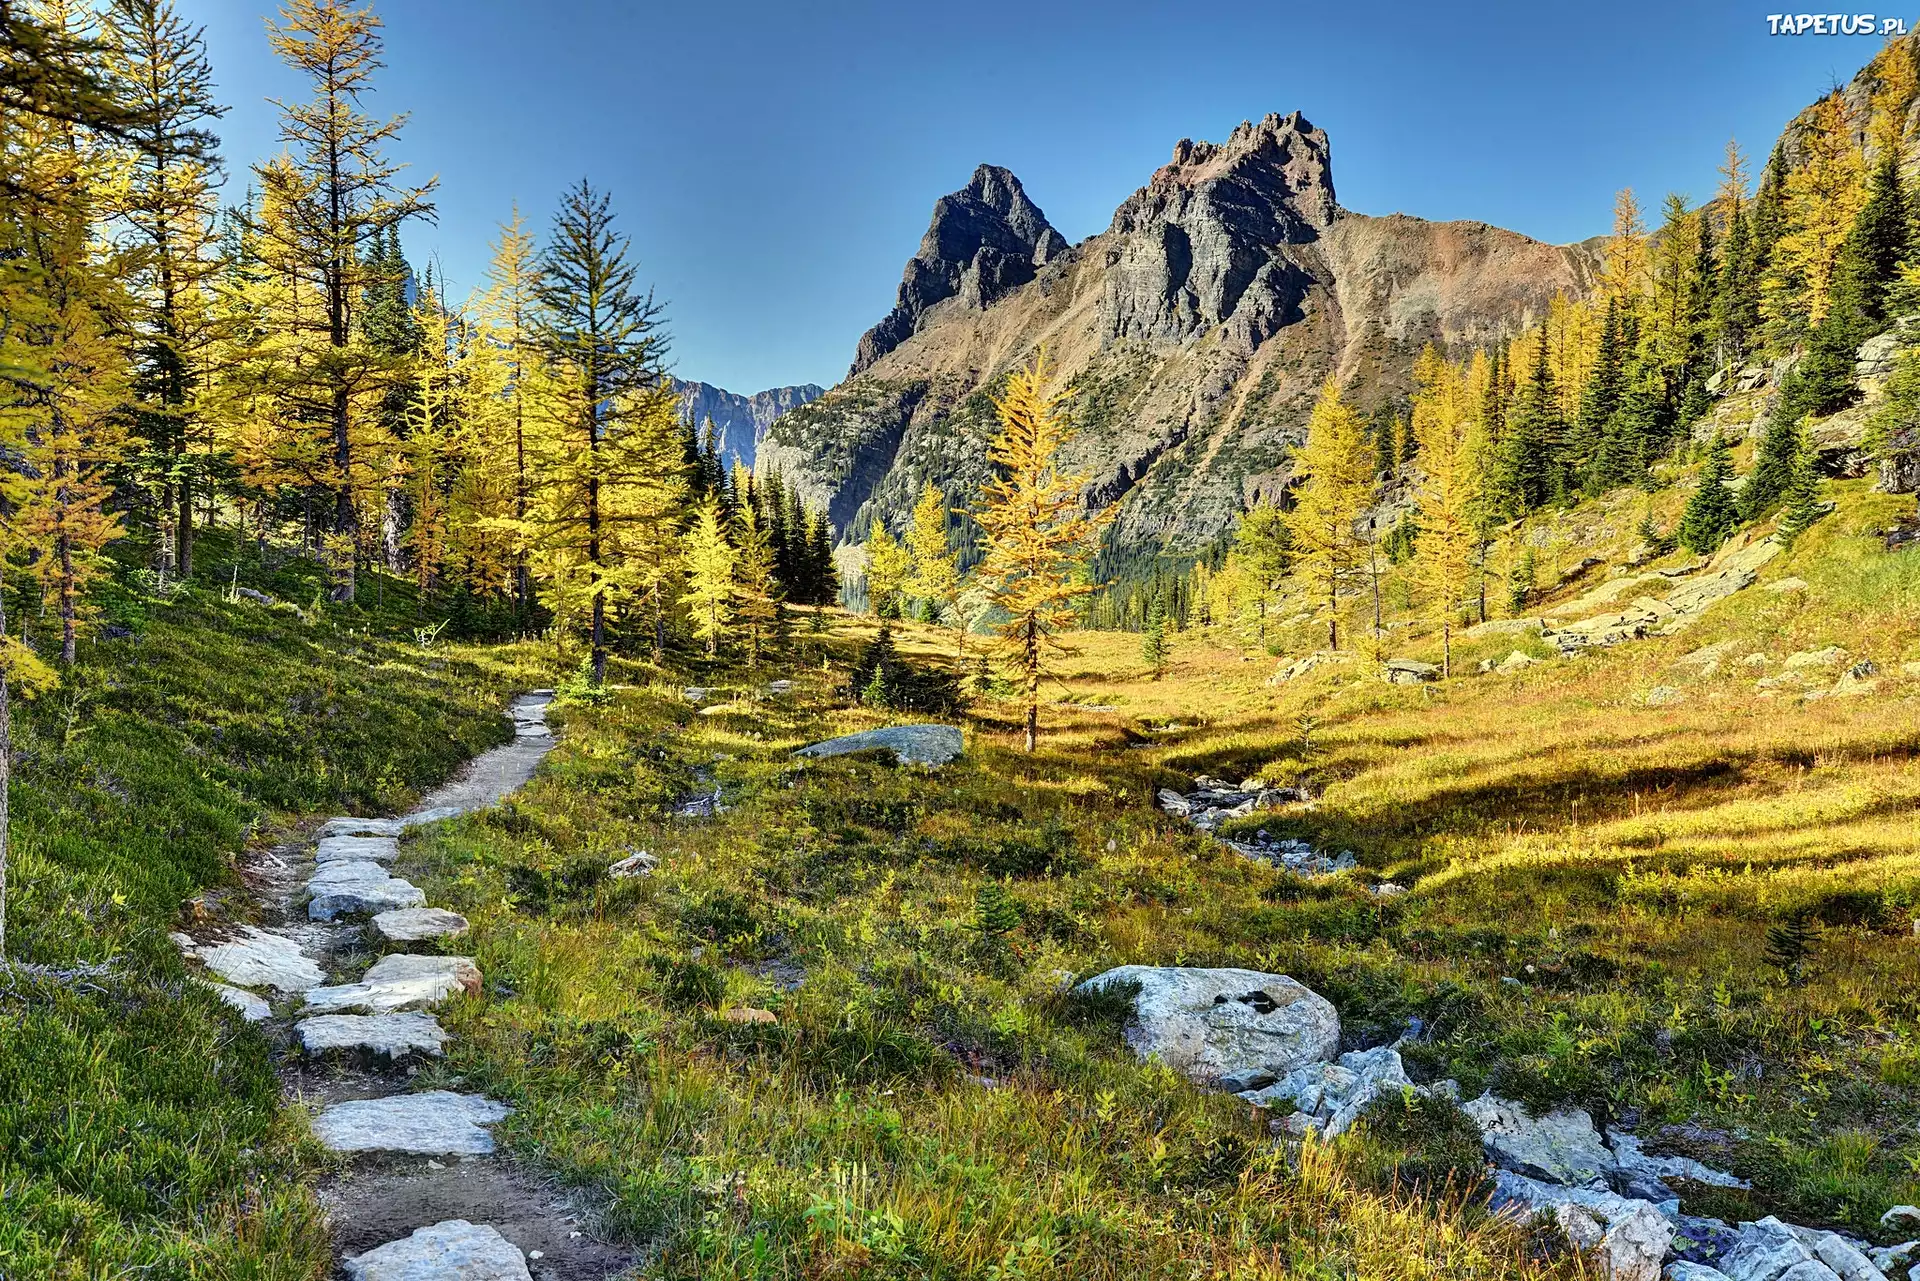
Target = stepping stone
(254,1009)
(257,959)
(420,818)
(342,849)
(413,924)
(397,982)
(358,886)
(391,1036)
(452,1251)
(436,1123)
(361,827)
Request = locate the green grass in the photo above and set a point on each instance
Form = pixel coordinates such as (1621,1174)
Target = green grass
(141,1132)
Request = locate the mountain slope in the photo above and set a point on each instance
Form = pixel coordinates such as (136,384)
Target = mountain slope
(740,421)
(1196,330)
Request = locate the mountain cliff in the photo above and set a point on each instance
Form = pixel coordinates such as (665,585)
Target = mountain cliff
(1196,331)
(741,422)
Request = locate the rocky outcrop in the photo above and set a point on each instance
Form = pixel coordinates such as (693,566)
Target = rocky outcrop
(1627,1238)
(985,240)
(910,744)
(1236,1029)
(1329,1097)
(1196,330)
(739,422)
(1561,1146)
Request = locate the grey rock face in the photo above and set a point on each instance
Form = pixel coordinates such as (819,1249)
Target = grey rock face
(259,959)
(436,1123)
(386,1035)
(985,240)
(455,1250)
(1628,1238)
(910,744)
(740,422)
(1556,1147)
(1681,1270)
(1225,1024)
(416,924)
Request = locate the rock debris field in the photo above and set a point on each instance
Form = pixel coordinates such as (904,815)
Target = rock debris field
(400,1209)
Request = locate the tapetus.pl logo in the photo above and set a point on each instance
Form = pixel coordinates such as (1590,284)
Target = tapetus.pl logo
(1835,24)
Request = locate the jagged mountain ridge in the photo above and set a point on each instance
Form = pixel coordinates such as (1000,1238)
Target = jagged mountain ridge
(740,422)
(1196,330)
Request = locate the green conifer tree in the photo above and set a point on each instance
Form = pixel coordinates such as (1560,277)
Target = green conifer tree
(1711,513)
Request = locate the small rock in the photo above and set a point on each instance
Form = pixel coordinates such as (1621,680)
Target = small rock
(1681,1270)
(1627,1238)
(397,982)
(248,593)
(415,924)
(1808,658)
(1631,1156)
(1664,695)
(1771,1251)
(747,1014)
(357,886)
(439,813)
(777,688)
(455,1250)
(1387,889)
(1333,1095)
(1900,1214)
(361,827)
(1214,1023)
(638,863)
(254,1009)
(436,1123)
(1407,671)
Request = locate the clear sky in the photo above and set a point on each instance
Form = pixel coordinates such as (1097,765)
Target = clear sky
(775,163)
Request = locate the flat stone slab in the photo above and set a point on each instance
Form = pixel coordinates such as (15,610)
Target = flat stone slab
(434,814)
(346,849)
(258,959)
(349,826)
(910,744)
(398,982)
(414,924)
(436,1123)
(358,885)
(253,1008)
(455,1250)
(388,1035)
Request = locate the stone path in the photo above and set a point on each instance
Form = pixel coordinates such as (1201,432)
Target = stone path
(315,897)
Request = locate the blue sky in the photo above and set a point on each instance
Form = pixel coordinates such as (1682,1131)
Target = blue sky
(775,164)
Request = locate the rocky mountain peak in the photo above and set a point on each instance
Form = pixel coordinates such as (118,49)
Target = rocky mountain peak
(1280,156)
(984,241)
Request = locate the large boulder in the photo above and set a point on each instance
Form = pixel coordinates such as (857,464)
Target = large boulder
(455,1250)
(910,744)
(1238,1029)
(1408,671)
(1555,1147)
(1626,1237)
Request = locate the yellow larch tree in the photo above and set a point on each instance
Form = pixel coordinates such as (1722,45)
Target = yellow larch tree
(889,567)
(1038,541)
(1450,483)
(756,592)
(1334,481)
(710,567)
(503,356)
(1623,276)
(936,566)
(1823,196)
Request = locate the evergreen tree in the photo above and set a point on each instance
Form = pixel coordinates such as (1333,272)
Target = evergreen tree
(1153,639)
(1710,514)
(1773,460)
(1801,506)
(1386,444)
(609,476)
(1530,465)
(756,597)
(1598,399)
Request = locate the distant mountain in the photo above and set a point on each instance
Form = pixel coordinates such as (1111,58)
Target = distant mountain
(1196,330)
(741,421)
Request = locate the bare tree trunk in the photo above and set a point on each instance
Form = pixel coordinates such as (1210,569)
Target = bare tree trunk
(1033,683)
(1446,648)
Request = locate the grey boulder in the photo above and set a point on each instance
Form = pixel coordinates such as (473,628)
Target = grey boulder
(910,744)
(1407,671)
(358,886)
(1329,1097)
(455,1250)
(1238,1028)
(1556,1147)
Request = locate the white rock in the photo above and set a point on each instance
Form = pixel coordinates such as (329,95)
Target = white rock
(254,1009)
(1558,1147)
(1807,658)
(1209,1024)
(260,959)
(437,1123)
(455,1250)
(1771,1251)
(1664,695)
(1900,1213)
(1628,1238)
(1681,1270)
(341,849)
(388,1035)
(412,924)
(639,863)
(1333,1095)
(396,983)
(358,885)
